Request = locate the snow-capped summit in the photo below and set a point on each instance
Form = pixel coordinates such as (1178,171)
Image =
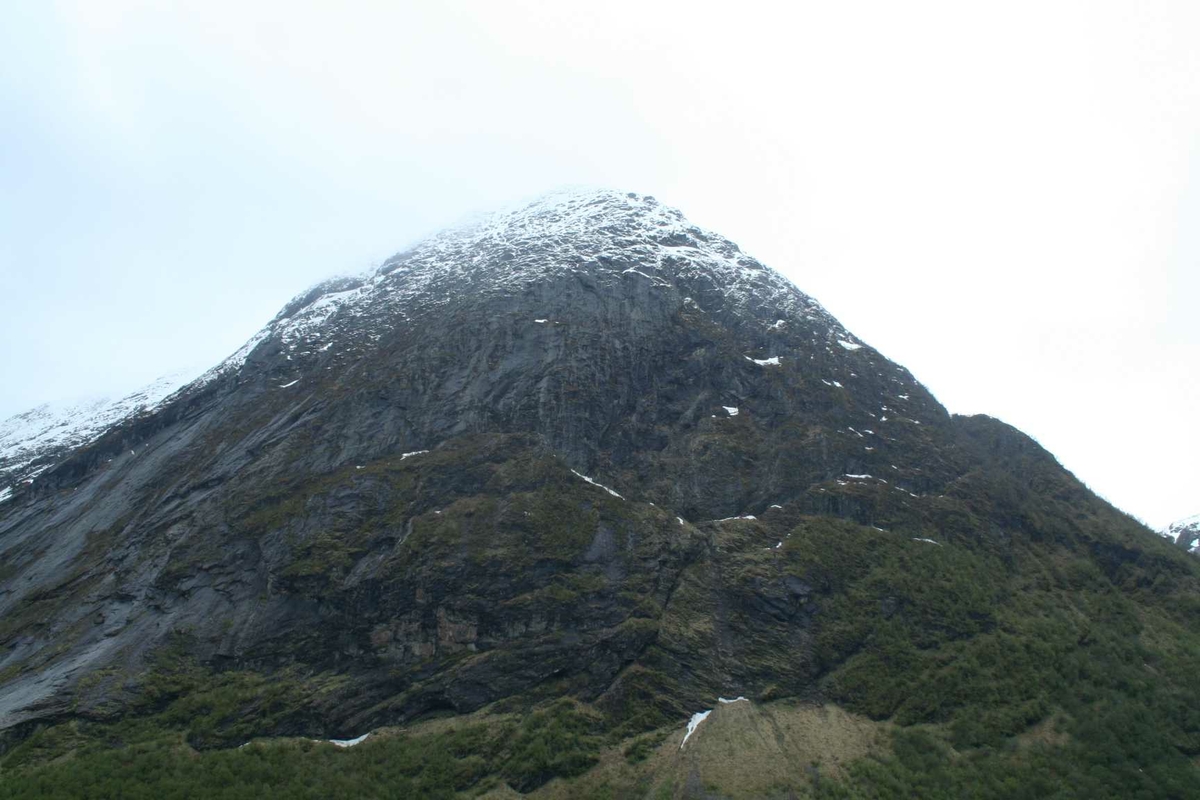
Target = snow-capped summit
(608,235)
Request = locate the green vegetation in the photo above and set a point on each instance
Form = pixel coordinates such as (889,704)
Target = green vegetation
(1126,760)
(150,760)
(1041,646)
(970,651)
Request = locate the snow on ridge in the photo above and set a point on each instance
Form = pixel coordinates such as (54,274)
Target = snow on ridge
(1185,523)
(606,233)
(1187,527)
(54,427)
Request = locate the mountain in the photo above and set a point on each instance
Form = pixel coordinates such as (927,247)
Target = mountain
(1185,533)
(542,489)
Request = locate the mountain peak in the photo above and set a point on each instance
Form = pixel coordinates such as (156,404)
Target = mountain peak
(600,236)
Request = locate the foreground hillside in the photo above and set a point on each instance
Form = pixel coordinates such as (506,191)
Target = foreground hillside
(539,491)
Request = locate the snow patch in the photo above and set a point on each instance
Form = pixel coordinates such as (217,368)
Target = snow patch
(738,699)
(413,453)
(286,385)
(694,723)
(541,321)
(851,346)
(5,493)
(637,272)
(731,410)
(930,541)
(349,742)
(773,361)
(602,486)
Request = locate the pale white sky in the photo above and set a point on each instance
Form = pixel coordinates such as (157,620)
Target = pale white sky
(1004,197)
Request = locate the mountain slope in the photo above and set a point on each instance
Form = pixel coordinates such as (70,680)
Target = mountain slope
(577,449)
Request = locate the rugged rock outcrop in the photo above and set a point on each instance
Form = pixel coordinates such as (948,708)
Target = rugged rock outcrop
(1185,533)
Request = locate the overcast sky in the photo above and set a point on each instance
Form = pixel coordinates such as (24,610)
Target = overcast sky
(1004,197)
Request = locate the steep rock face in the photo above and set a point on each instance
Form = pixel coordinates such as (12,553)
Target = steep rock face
(385,487)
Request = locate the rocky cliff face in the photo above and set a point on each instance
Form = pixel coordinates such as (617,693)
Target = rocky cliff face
(579,448)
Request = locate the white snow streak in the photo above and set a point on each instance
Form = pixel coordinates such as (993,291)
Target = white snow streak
(602,486)
(349,742)
(694,723)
